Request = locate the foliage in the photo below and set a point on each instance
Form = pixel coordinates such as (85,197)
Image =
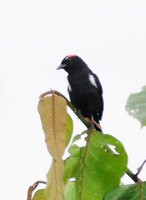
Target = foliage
(92,171)
(128,192)
(136,106)
(94,168)
(39,195)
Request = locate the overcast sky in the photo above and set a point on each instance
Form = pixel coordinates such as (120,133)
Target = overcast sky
(35,36)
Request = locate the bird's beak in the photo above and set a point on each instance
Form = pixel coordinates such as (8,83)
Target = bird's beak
(61,66)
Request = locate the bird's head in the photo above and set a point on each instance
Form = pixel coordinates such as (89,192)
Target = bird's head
(72,63)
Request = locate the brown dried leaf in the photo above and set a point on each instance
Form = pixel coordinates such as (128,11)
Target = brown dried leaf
(55,184)
(53,114)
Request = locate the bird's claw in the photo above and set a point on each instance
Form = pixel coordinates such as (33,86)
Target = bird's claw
(93,123)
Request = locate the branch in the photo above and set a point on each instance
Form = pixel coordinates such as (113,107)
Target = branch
(32,188)
(140,168)
(77,113)
(133,176)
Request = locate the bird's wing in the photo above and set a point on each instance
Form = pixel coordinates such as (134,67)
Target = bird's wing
(95,81)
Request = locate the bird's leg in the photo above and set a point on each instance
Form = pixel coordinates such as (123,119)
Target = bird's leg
(94,123)
(90,121)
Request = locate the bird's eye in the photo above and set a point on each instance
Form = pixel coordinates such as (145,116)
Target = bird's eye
(67,60)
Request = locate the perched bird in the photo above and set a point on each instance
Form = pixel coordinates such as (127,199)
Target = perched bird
(84,88)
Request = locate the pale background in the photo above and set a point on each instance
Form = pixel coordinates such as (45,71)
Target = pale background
(34,37)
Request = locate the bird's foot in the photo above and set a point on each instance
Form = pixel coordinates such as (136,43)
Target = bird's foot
(93,124)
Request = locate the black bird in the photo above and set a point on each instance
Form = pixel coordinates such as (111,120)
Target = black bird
(84,88)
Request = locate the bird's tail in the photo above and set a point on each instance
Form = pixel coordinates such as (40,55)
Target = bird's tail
(97,126)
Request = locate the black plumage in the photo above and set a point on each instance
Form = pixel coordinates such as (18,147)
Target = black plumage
(84,88)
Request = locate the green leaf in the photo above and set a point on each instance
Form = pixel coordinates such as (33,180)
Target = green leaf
(70,193)
(39,195)
(128,192)
(69,127)
(77,137)
(94,168)
(136,106)
(71,162)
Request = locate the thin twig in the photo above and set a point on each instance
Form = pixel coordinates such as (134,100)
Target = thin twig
(32,188)
(140,168)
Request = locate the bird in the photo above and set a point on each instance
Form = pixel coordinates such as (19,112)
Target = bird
(85,90)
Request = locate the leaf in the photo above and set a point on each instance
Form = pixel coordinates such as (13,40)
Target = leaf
(70,193)
(72,162)
(128,192)
(69,128)
(136,106)
(55,183)
(77,137)
(53,115)
(94,168)
(57,126)
(39,195)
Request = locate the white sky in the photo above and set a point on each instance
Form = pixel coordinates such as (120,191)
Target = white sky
(34,37)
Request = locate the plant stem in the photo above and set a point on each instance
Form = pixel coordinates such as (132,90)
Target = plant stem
(133,176)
